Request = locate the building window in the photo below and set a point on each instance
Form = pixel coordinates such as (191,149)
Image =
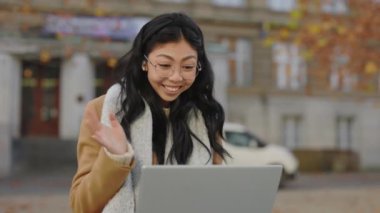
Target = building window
(243,59)
(289,67)
(291,130)
(341,78)
(344,126)
(240,61)
(229,3)
(334,6)
(282,5)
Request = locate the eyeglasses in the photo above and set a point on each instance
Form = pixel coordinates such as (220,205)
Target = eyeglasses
(187,72)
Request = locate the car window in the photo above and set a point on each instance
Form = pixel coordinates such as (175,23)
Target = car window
(239,138)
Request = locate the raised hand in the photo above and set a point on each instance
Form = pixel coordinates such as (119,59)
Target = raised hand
(111,137)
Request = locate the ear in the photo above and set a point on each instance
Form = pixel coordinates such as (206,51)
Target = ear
(144,66)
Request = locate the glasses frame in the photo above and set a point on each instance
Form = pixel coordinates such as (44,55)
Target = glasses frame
(198,68)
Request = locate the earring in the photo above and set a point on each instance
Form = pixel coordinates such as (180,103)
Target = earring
(143,66)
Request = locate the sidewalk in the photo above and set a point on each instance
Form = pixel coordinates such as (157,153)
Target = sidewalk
(328,193)
(43,192)
(331,193)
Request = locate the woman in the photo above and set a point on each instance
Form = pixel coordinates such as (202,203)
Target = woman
(162,111)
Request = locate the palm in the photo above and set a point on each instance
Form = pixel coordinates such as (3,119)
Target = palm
(111,137)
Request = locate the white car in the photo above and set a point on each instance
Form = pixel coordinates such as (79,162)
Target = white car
(247,149)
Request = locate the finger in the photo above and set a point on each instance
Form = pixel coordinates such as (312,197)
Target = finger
(92,119)
(98,139)
(113,120)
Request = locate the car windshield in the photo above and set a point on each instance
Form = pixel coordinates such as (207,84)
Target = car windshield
(243,139)
(238,138)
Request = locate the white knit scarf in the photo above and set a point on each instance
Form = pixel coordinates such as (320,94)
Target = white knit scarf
(141,140)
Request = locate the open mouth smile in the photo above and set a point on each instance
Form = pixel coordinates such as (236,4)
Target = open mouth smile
(172,89)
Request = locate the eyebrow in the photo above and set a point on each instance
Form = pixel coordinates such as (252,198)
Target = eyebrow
(171,58)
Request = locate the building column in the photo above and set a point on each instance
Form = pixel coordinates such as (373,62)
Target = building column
(77,87)
(9,108)
(218,57)
(243,62)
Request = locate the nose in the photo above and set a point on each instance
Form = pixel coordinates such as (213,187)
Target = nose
(176,74)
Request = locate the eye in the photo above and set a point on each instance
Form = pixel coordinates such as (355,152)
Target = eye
(188,68)
(165,66)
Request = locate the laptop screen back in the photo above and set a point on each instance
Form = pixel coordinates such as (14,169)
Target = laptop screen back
(208,189)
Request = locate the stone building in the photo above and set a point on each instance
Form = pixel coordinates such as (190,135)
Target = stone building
(56,55)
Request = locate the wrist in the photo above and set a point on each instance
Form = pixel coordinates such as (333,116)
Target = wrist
(118,150)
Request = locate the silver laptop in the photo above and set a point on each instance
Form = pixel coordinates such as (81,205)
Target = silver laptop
(208,189)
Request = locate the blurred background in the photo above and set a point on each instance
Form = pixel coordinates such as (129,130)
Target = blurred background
(302,74)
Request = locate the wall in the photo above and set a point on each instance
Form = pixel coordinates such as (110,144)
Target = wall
(77,88)
(219,63)
(9,108)
(318,121)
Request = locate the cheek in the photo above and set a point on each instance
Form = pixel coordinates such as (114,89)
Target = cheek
(153,79)
(189,84)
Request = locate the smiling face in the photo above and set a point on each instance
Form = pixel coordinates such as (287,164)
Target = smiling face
(175,56)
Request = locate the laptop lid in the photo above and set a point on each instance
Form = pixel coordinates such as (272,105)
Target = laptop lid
(208,189)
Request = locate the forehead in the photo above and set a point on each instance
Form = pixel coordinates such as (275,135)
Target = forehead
(176,50)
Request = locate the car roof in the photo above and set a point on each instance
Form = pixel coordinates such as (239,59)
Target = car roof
(236,127)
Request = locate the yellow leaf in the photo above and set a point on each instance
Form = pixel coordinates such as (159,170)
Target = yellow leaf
(341,30)
(268,42)
(284,33)
(26,9)
(293,25)
(308,55)
(296,14)
(327,26)
(371,67)
(111,62)
(28,73)
(314,29)
(266,26)
(322,42)
(99,12)
(44,56)
(297,41)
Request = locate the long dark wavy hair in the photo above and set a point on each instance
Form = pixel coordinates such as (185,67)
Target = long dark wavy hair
(162,29)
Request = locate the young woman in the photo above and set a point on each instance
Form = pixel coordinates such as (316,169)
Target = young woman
(162,111)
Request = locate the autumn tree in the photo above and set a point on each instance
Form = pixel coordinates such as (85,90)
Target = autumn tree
(343,43)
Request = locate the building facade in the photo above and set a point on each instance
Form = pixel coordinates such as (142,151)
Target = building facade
(57,55)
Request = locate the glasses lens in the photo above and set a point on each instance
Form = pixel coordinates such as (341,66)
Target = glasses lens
(166,70)
(187,72)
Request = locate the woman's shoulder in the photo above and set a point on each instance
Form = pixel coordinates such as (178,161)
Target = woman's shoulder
(114,89)
(111,94)
(96,103)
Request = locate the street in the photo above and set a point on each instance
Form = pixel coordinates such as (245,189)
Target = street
(309,193)
(331,193)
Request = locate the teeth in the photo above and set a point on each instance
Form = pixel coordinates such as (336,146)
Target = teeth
(172,89)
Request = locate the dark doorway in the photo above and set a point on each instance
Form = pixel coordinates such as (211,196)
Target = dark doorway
(105,74)
(40,98)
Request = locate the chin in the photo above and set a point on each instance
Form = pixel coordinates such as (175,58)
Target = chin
(167,100)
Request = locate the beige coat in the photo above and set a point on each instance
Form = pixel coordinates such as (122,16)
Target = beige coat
(91,188)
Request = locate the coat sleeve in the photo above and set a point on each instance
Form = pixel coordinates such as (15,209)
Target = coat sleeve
(98,177)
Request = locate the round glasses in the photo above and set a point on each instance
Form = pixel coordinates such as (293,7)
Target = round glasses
(164,70)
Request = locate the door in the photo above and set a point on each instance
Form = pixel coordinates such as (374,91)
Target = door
(40,98)
(106,75)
